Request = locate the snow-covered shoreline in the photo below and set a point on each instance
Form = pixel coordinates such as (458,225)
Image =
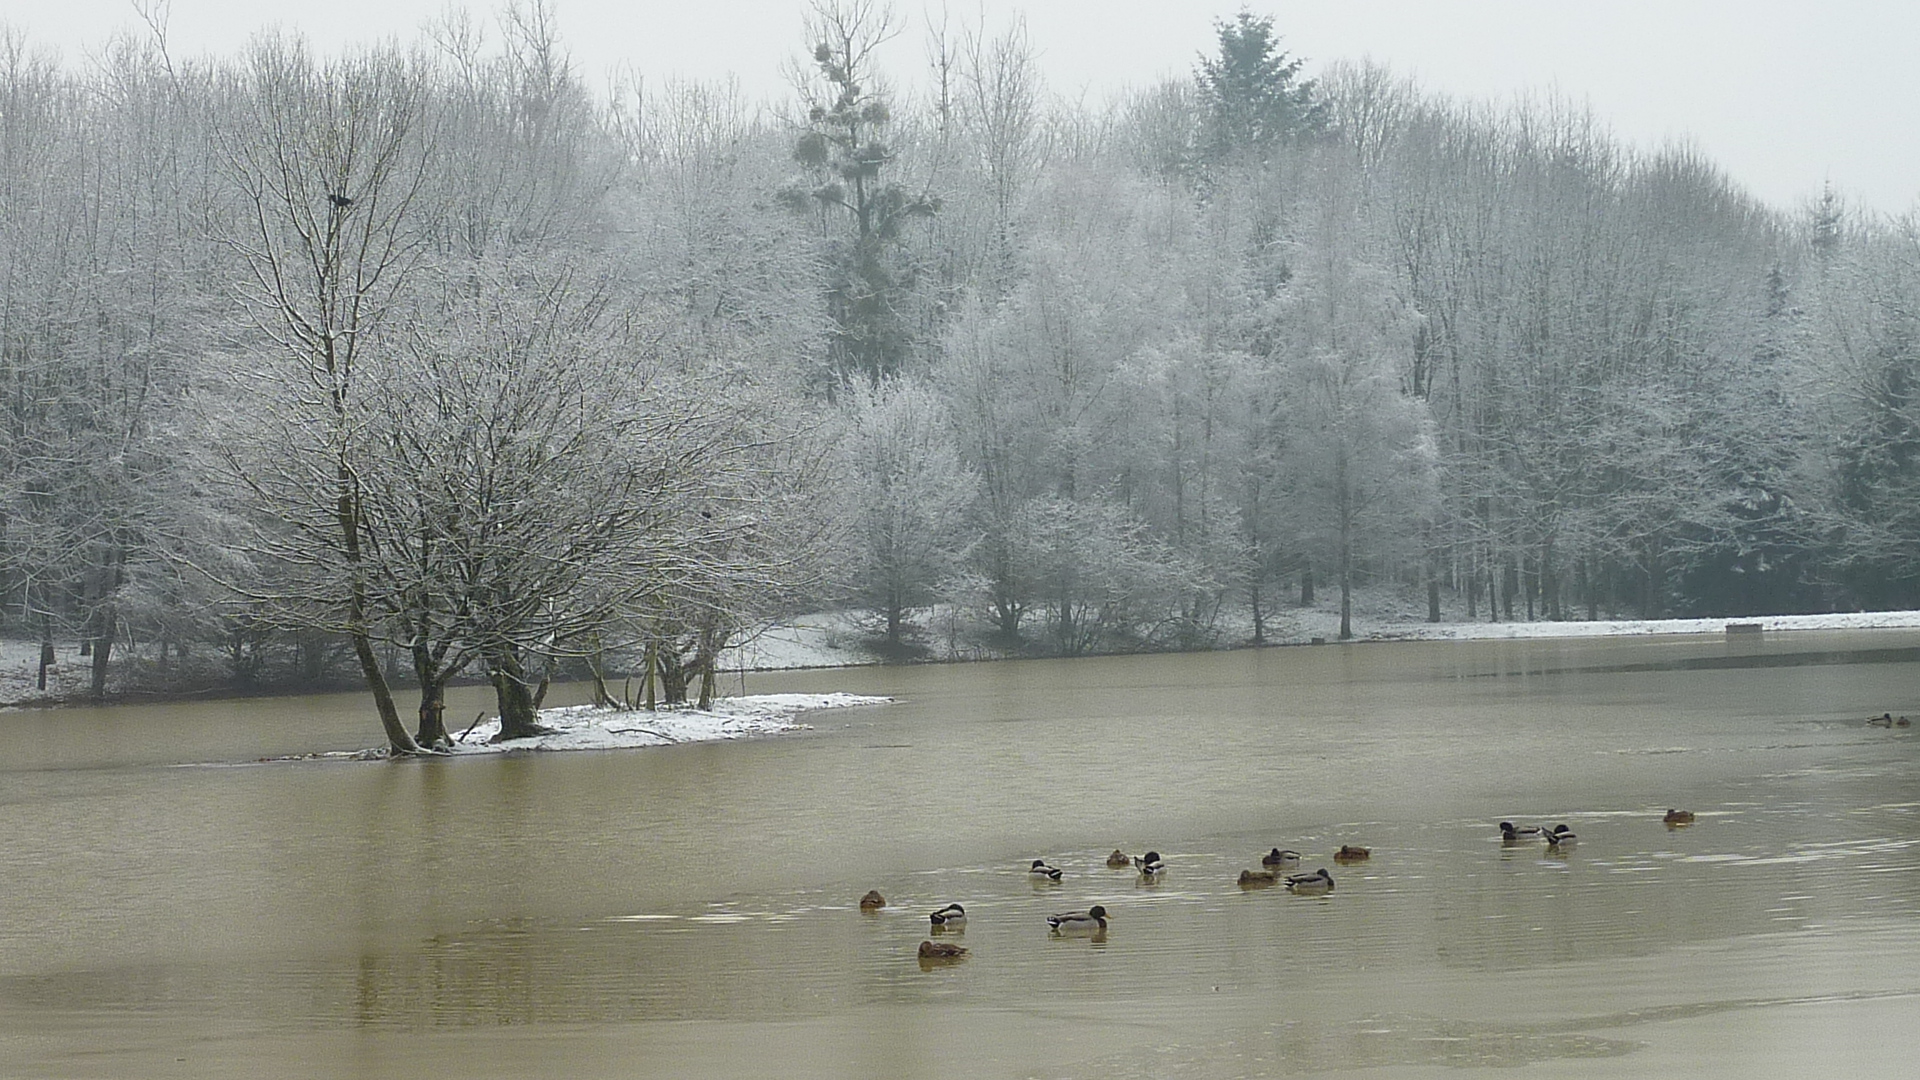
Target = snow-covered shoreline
(594,727)
(837,639)
(832,639)
(1857,620)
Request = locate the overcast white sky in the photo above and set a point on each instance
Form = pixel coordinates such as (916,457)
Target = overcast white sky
(1785,95)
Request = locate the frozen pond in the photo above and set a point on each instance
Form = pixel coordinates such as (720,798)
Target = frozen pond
(689,911)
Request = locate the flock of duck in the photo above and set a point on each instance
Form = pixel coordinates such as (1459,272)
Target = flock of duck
(1274,866)
(1092,922)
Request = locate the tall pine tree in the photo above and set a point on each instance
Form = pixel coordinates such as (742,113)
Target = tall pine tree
(1255,98)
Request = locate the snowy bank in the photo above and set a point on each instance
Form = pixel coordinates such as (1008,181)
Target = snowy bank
(837,639)
(1852,620)
(593,727)
(841,639)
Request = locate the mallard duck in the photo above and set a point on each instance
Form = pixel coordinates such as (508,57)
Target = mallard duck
(1119,860)
(1280,858)
(1561,837)
(1311,884)
(1259,879)
(1150,863)
(1902,722)
(873,901)
(1090,921)
(940,950)
(1883,720)
(953,915)
(1512,833)
(1679,817)
(1040,869)
(1350,853)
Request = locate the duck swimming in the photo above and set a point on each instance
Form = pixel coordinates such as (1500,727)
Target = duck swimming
(1040,869)
(940,950)
(1561,838)
(1311,884)
(1280,858)
(1150,864)
(873,901)
(1678,817)
(952,916)
(1512,833)
(1090,921)
(1259,879)
(1119,860)
(1349,853)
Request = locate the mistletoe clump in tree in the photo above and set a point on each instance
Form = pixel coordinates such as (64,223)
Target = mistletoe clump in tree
(844,148)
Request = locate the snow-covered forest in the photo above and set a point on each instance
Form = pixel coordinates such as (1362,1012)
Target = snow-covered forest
(436,352)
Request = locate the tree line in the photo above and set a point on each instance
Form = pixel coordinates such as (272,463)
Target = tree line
(429,361)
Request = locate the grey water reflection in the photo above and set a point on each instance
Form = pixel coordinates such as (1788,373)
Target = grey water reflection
(679,912)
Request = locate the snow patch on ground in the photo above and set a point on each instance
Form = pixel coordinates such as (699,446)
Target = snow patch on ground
(593,727)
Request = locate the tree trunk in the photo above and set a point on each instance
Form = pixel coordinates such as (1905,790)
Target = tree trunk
(673,676)
(651,662)
(1306,584)
(1344,507)
(1529,584)
(47,658)
(348,519)
(546,683)
(1649,604)
(313,658)
(1592,566)
(397,738)
(433,699)
(433,716)
(1259,616)
(706,661)
(519,713)
(1346,580)
(1550,583)
(601,696)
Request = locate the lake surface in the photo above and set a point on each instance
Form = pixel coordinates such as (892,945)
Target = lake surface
(172,907)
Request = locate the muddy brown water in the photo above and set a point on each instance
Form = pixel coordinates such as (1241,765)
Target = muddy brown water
(172,906)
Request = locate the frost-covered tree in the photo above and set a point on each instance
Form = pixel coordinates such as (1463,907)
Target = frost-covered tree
(1360,461)
(103,289)
(908,498)
(328,162)
(1861,358)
